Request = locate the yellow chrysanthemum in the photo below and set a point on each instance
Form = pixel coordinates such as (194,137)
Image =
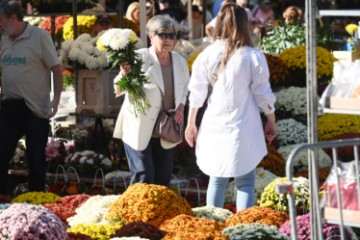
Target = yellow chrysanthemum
(100,44)
(351,28)
(84,25)
(133,37)
(95,231)
(330,125)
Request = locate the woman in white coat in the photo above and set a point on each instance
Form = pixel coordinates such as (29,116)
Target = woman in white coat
(150,158)
(231,140)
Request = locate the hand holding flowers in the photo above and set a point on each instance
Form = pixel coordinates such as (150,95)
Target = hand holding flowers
(120,45)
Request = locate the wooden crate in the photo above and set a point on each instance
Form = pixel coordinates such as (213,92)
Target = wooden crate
(346,57)
(96,92)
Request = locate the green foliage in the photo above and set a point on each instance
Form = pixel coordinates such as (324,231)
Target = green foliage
(279,38)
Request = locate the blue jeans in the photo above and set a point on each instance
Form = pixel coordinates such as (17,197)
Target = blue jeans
(153,165)
(245,186)
(13,125)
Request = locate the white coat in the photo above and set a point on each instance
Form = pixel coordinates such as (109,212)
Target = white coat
(231,140)
(136,131)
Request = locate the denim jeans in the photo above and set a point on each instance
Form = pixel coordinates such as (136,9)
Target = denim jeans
(152,165)
(245,186)
(13,125)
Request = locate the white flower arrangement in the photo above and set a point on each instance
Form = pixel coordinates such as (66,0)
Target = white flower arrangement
(290,131)
(84,51)
(301,161)
(254,231)
(263,178)
(93,211)
(35,21)
(292,100)
(88,157)
(211,212)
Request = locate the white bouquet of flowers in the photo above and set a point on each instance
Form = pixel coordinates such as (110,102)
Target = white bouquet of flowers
(83,50)
(290,131)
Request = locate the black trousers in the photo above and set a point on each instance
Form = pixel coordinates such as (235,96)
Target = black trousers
(16,121)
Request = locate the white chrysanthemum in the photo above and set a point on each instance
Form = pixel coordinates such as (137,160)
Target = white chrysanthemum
(290,131)
(83,55)
(106,162)
(75,44)
(211,212)
(293,100)
(82,160)
(91,62)
(66,45)
(90,161)
(108,35)
(74,54)
(118,42)
(263,178)
(87,152)
(85,37)
(301,161)
(87,47)
(93,211)
(102,60)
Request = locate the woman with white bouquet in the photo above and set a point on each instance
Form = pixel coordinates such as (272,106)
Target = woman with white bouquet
(150,157)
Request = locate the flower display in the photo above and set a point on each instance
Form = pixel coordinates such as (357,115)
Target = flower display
(148,203)
(59,24)
(351,29)
(331,125)
(120,45)
(303,226)
(256,214)
(291,103)
(187,227)
(68,78)
(271,199)
(93,211)
(278,71)
(211,212)
(301,161)
(95,231)
(254,231)
(36,198)
(25,221)
(19,160)
(84,52)
(263,178)
(4,206)
(65,207)
(34,20)
(194,55)
(139,229)
(295,60)
(87,162)
(273,161)
(290,131)
(78,236)
(56,152)
(84,25)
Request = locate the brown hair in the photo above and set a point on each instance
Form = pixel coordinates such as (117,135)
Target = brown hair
(232,25)
(293,14)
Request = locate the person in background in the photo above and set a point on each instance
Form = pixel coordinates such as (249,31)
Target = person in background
(263,14)
(174,9)
(231,141)
(133,13)
(293,15)
(150,158)
(209,28)
(102,23)
(28,57)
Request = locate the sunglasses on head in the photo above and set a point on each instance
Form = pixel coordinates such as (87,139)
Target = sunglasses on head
(164,36)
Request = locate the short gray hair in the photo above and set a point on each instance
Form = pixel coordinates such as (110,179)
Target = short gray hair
(159,23)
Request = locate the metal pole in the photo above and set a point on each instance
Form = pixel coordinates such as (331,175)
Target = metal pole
(311,84)
(76,71)
(143,22)
(121,13)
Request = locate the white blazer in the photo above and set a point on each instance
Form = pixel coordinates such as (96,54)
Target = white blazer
(136,131)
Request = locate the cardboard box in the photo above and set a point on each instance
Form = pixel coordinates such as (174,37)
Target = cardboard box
(345,103)
(346,57)
(350,217)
